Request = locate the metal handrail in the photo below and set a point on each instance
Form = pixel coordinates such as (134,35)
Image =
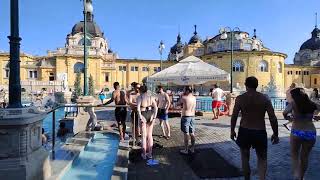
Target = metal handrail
(53,111)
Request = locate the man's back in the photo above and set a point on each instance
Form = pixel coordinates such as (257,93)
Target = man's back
(217,94)
(253,106)
(189,105)
(119,97)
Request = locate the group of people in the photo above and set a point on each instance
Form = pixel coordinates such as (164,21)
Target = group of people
(252,131)
(145,109)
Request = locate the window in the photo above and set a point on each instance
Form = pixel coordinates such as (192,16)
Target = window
(6,73)
(33,74)
(122,68)
(106,77)
(236,45)
(88,42)
(51,76)
(134,68)
(315,81)
(298,72)
(238,66)
(289,72)
(305,72)
(156,69)
(78,67)
(220,47)
(247,46)
(279,67)
(263,66)
(145,69)
(210,49)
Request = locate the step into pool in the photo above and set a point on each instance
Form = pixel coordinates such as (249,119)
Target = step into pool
(97,160)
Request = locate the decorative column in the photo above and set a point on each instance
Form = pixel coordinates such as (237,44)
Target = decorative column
(22,156)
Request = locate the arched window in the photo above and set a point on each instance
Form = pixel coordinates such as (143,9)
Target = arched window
(6,71)
(263,66)
(220,47)
(238,66)
(88,42)
(279,67)
(78,67)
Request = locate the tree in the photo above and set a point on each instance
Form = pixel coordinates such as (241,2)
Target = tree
(77,85)
(91,86)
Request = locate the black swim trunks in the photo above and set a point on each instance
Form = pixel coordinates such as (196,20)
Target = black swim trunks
(121,115)
(256,139)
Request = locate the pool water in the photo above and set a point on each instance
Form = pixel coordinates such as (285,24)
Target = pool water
(47,122)
(97,160)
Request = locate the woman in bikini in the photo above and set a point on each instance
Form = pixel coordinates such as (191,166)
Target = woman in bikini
(303,132)
(147,111)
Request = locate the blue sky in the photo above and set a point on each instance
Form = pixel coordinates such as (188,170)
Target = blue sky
(134,28)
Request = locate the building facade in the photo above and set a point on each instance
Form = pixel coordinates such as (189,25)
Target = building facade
(57,70)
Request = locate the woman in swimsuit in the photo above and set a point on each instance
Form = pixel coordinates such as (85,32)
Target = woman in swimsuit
(147,111)
(303,132)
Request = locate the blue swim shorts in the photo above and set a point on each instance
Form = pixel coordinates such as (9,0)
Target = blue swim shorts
(187,124)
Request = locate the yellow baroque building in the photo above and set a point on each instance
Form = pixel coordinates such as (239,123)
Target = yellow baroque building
(57,70)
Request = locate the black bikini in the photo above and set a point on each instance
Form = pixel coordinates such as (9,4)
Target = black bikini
(147,113)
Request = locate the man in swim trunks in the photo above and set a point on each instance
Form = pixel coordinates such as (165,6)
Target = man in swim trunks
(188,101)
(119,98)
(163,105)
(134,114)
(252,132)
(217,95)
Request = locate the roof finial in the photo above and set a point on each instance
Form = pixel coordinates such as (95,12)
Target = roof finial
(316,16)
(254,33)
(195,30)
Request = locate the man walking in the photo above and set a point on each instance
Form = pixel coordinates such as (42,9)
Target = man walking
(119,98)
(217,95)
(188,102)
(252,132)
(163,105)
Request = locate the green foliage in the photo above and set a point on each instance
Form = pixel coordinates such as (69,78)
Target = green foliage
(77,85)
(91,86)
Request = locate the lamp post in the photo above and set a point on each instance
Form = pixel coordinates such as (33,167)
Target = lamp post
(14,77)
(161,48)
(224,36)
(87,8)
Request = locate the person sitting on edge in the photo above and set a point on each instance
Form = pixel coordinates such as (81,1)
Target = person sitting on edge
(120,99)
(252,132)
(62,129)
(188,101)
(44,138)
(217,95)
(163,105)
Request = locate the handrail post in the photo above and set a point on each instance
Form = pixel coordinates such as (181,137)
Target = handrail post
(53,133)
(134,130)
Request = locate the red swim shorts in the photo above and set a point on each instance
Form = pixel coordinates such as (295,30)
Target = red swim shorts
(216,104)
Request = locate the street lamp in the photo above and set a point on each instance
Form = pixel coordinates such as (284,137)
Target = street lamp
(14,76)
(224,36)
(87,8)
(161,48)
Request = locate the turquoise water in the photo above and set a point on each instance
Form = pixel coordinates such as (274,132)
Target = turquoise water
(96,162)
(47,122)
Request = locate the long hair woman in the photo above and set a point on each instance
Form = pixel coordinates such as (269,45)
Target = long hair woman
(303,132)
(147,111)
